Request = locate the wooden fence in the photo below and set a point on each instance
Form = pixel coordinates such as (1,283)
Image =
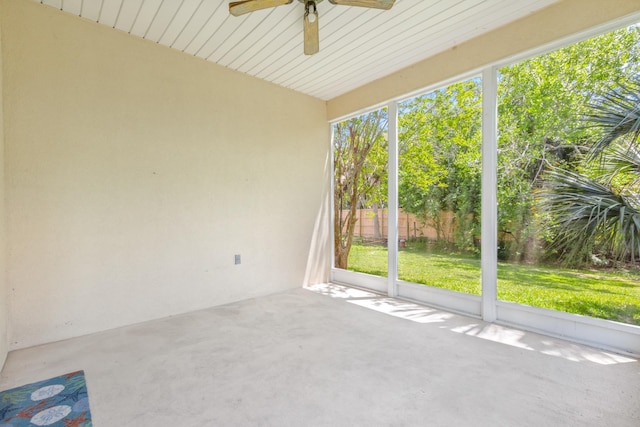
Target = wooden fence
(409,226)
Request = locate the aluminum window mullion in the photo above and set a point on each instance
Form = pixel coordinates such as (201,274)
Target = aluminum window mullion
(489,226)
(392,218)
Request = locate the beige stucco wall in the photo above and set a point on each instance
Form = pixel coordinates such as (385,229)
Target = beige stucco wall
(3,238)
(134,173)
(558,21)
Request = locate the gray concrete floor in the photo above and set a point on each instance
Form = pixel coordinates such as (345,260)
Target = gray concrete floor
(336,356)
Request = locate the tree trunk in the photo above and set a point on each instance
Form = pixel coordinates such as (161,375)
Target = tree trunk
(343,246)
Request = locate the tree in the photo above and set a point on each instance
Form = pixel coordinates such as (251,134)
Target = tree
(541,103)
(597,212)
(439,159)
(360,164)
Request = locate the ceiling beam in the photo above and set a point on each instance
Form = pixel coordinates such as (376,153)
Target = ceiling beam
(558,21)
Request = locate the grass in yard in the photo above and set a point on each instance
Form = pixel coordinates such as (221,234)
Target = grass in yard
(602,294)
(368,259)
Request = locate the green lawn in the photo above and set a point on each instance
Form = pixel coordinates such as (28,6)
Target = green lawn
(603,294)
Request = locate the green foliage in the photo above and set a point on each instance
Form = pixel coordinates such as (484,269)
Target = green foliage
(542,104)
(439,158)
(568,180)
(360,159)
(616,114)
(360,174)
(591,218)
(598,211)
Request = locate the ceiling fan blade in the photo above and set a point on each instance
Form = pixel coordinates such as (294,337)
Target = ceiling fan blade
(375,4)
(311,33)
(237,8)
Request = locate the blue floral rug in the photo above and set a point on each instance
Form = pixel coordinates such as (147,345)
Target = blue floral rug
(58,402)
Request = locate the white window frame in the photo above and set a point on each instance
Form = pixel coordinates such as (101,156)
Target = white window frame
(605,334)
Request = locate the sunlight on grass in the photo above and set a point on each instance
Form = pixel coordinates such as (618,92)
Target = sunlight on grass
(602,294)
(369,259)
(440,270)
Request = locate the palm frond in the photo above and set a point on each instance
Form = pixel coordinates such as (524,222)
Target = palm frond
(590,214)
(621,166)
(616,114)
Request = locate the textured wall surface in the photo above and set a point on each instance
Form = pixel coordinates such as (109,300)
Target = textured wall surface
(135,173)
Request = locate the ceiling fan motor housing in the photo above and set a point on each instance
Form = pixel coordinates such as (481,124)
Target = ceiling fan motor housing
(310,19)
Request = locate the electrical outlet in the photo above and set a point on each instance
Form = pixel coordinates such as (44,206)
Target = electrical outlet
(237,258)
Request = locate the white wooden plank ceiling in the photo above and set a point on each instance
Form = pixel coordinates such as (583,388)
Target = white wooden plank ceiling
(357,45)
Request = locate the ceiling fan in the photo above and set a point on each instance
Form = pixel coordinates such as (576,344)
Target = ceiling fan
(311,38)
